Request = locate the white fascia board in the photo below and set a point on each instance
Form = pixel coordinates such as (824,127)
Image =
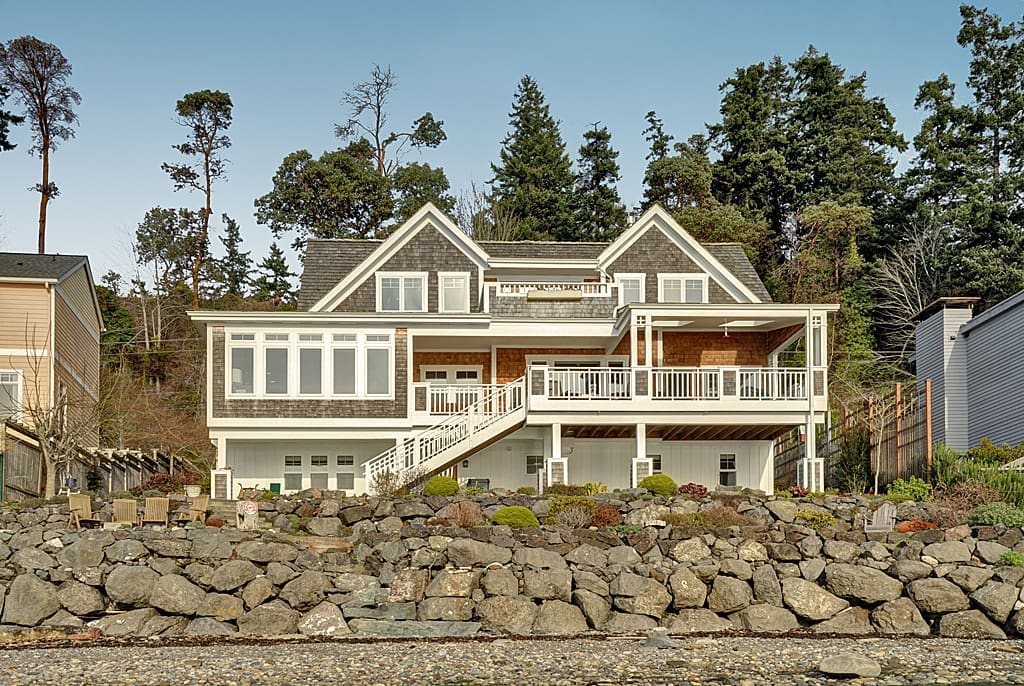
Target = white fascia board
(566,329)
(24,279)
(725,311)
(428,215)
(658,217)
(378,319)
(268,433)
(322,424)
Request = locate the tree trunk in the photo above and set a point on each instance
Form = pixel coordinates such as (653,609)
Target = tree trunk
(44,196)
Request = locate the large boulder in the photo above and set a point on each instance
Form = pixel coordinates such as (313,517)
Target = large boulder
(222,607)
(446,609)
(595,608)
(625,623)
(31,559)
(305,591)
(257,592)
(209,626)
(324,620)
(85,552)
(80,599)
(538,558)
(454,583)
(948,551)
(809,600)
(507,614)
(127,550)
(968,624)
(861,584)
(559,618)
(323,526)
(687,589)
(729,595)
(937,596)
(550,584)
(699,620)
(767,588)
(899,616)
(29,601)
(125,623)
(233,574)
(211,544)
(131,586)
(270,619)
(997,600)
(467,552)
(765,618)
(177,595)
(783,510)
(849,665)
(408,586)
(499,581)
(689,550)
(852,620)
(161,625)
(258,551)
(639,595)
(588,556)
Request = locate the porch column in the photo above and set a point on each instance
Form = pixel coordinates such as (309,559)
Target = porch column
(633,357)
(557,467)
(556,441)
(222,453)
(813,472)
(641,441)
(648,359)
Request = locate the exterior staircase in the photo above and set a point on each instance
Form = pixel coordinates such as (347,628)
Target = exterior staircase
(440,447)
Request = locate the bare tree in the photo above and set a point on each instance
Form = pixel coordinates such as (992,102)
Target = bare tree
(37,74)
(484,219)
(369,119)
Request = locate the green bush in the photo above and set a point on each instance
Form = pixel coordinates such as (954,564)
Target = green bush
(571,512)
(915,489)
(945,466)
(441,485)
(853,461)
(1012,559)
(815,519)
(515,515)
(659,484)
(526,490)
(564,489)
(594,487)
(997,513)
(991,455)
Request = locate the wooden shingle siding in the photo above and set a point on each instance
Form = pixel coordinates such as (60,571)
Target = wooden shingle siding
(995,368)
(511,362)
(522,308)
(452,359)
(427,251)
(714,350)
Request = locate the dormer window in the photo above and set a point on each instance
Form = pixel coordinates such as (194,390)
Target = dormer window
(401,292)
(631,288)
(454,292)
(683,288)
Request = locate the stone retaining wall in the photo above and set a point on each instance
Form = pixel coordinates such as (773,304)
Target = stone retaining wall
(397,567)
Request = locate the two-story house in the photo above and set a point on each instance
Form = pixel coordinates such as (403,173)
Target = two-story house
(50,326)
(517,362)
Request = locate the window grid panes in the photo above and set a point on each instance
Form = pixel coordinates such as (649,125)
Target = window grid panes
(632,291)
(534,464)
(401,293)
(346,460)
(453,294)
(10,400)
(727,470)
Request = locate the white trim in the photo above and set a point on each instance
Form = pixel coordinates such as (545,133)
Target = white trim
(402,276)
(428,215)
(23,352)
(618,278)
(450,370)
(441,276)
(603,359)
(20,382)
(682,278)
(53,338)
(25,279)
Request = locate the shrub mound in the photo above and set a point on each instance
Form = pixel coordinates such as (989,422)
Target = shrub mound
(515,515)
(571,512)
(998,513)
(441,485)
(605,515)
(659,484)
(694,491)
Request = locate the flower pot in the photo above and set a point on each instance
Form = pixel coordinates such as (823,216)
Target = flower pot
(193,491)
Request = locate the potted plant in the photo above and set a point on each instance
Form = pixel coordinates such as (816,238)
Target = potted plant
(193,490)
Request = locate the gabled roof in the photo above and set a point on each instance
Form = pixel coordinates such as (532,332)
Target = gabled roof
(328,261)
(16,266)
(734,258)
(656,217)
(542,250)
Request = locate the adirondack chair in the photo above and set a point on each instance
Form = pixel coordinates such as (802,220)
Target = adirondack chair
(156,511)
(883,519)
(197,511)
(126,511)
(80,507)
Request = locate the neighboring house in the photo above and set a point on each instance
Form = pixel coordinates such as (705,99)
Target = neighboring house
(975,366)
(50,325)
(512,362)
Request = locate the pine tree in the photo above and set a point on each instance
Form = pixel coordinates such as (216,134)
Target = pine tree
(273,282)
(600,214)
(235,267)
(534,180)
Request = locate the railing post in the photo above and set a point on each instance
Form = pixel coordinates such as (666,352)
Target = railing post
(899,427)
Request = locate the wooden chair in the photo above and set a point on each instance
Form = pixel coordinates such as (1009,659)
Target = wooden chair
(80,511)
(126,511)
(883,519)
(197,511)
(156,511)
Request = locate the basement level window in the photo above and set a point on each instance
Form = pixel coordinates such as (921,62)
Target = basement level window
(727,469)
(534,464)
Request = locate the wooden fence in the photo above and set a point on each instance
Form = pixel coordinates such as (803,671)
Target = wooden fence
(899,434)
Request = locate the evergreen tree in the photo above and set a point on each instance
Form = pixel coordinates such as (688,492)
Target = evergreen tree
(273,282)
(235,268)
(656,136)
(600,214)
(7,119)
(679,180)
(534,180)
(417,184)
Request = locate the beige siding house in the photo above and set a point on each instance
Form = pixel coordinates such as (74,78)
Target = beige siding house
(50,326)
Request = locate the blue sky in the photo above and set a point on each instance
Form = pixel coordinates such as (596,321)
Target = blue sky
(287,64)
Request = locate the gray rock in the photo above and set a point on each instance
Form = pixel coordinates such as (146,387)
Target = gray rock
(937,596)
(164,626)
(911,570)
(698,621)
(233,574)
(687,590)
(968,624)
(270,619)
(624,555)
(690,550)
(208,626)
(324,620)
(446,609)
(176,595)
(306,591)
(590,582)
(729,595)
(500,581)
(124,623)
(80,599)
(409,585)
(556,617)
(948,551)
(131,586)
(809,600)
(841,551)
(169,547)
(465,511)
(852,620)
(765,618)
(659,638)
(377,627)
(507,614)
(849,664)
(588,556)
(863,584)
(783,510)
(258,551)
(454,583)
(29,601)
(551,584)
(538,558)
(126,550)
(997,600)
(595,608)
(968,578)
(411,509)
(899,616)
(63,618)
(31,559)
(737,568)
(257,592)
(766,585)
(466,552)
(324,526)
(210,544)
(990,551)
(221,607)
(751,551)
(652,515)
(280,573)
(812,569)
(784,552)
(625,623)
(1017,622)
(85,552)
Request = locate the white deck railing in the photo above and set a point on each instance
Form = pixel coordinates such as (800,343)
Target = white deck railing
(519,289)
(432,448)
(588,383)
(772,383)
(445,399)
(694,383)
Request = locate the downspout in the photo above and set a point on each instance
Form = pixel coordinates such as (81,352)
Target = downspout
(52,341)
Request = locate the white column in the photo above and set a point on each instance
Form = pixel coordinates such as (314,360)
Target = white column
(641,440)
(222,453)
(648,347)
(813,472)
(632,344)
(556,441)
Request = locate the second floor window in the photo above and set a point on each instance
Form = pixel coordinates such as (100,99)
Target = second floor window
(401,292)
(10,394)
(683,288)
(631,288)
(454,292)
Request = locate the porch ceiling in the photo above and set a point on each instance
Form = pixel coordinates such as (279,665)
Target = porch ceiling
(675,432)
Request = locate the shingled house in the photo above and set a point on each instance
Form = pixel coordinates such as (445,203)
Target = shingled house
(520,363)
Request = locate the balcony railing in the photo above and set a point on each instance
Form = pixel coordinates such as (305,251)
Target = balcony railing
(772,384)
(443,399)
(686,383)
(519,289)
(596,383)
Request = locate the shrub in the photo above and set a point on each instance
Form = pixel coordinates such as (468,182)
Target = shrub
(605,515)
(1012,559)
(945,466)
(693,491)
(526,490)
(659,484)
(853,461)
(915,489)
(515,515)
(998,513)
(628,529)
(953,505)
(816,519)
(594,487)
(798,491)
(164,483)
(992,455)
(715,517)
(564,489)
(571,512)
(385,483)
(686,519)
(441,485)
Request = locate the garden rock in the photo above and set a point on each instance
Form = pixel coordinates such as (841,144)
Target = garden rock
(280,574)
(125,623)
(948,551)
(305,591)
(163,626)
(466,552)
(556,617)
(864,584)
(728,595)
(31,559)
(690,550)
(900,616)
(659,638)
(969,578)
(699,620)
(208,626)
(625,623)
(595,608)
(783,510)
(990,551)
(765,618)
(766,585)
(324,620)
(80,599)
(408,586)
(538,558)
(996,599)
(499,582)
(849,664)
(809,600)
(588,556)
(451,583)
(937,596)
(968,624)
(852,620)
(210,544)
(323,526)
(176,595)
(85,552)
(446,609)
(126,550)
(233,574)
(270,619)
(687,589)
(552,584)
(507,614)
(131,586)
(221,607)
(29,601)
(257,592)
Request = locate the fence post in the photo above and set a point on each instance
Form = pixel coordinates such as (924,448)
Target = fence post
(928,426)
(872,453)
(899,426)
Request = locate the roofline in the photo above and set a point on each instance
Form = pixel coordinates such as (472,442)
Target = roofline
(27,279)
(988,315)
(968,301)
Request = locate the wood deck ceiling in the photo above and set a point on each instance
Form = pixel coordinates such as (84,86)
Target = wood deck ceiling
(679,432)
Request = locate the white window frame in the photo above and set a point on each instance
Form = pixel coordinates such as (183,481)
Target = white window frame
(344,464)
(402,276)
(451,372)
(19,384)
(441,306)
(241,343)
(292,470)
(734,471)
(624,276)
(310,345)
(682,279)
(538,467)
(277,341)
(321,470)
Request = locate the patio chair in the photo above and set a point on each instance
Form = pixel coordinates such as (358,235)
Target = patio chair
(883,519)
(126,511)
(80,511)
(156,511)
(197,511)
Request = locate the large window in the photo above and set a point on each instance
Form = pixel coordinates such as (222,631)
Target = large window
(10,394)
(631,288)
(683,288)
(242,351)
(378,365)
(401,292)
(454,292)
(318,471)
(275,363)
(311,363)
(292,472)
